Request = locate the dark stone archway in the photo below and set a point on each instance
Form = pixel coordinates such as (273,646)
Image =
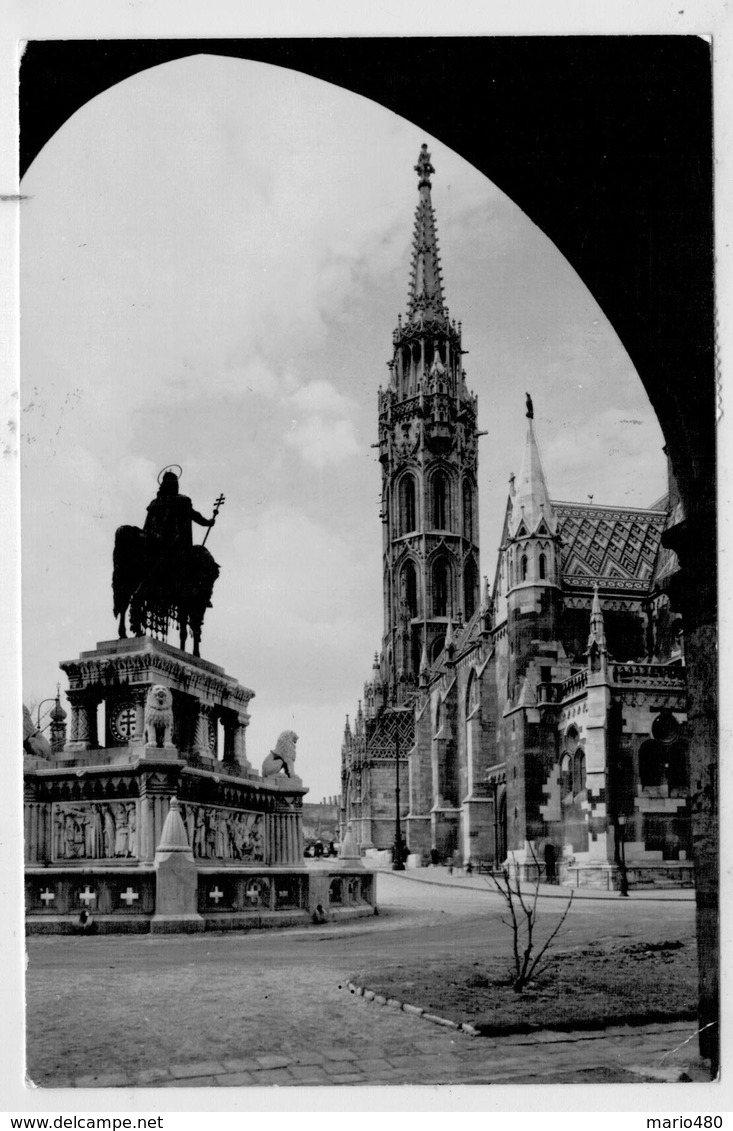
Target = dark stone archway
(606,143)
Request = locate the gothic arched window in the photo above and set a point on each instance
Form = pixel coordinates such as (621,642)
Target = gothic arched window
(437,648)
(408,509)
(469,590)
(440,501)
(543,567)
(566,776)
(524,567)
(579,771)
(441,588)
(409,587)
(651,764)
(467,510)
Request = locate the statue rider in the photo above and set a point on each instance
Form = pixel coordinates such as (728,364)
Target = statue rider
(169,518)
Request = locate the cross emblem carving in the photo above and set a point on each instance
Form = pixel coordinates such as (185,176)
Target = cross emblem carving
(129,896)
(127,722)
(216,895)
(87,896)
(47,897)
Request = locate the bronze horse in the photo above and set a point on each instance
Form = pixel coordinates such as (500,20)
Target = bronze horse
(159,587)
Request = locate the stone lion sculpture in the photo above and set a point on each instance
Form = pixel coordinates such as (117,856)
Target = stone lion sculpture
(282,757)
(159,716)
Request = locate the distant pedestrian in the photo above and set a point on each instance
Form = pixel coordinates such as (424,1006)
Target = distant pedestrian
(434,857)
(319,915)
(469,868)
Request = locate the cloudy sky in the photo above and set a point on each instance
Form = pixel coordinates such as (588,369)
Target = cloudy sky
(213,257)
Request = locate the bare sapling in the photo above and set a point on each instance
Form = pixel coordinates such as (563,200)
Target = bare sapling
(528,954)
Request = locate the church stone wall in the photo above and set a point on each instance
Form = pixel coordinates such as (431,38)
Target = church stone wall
(382,798)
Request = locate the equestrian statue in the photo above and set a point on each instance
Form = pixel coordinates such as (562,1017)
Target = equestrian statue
(157,572)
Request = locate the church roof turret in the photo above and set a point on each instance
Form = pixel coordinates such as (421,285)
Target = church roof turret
(531,504)
(425,298)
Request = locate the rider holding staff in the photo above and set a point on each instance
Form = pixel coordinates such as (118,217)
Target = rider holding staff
(170,516)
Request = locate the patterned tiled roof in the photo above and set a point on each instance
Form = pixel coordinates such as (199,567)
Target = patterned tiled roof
(616,547)
(667,561)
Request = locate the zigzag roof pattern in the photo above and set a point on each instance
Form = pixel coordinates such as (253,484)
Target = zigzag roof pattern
(617,547)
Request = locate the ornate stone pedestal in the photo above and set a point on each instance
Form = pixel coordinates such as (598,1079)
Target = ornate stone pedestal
(209,707)
(99,816)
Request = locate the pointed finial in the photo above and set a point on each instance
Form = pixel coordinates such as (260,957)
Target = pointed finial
(597,634)
(423,167)
(174,837)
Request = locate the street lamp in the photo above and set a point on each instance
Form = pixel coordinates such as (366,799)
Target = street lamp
(41,705)
(398,854)
(621,843)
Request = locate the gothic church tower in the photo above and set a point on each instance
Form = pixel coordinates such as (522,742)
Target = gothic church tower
(428,452)
(430,561)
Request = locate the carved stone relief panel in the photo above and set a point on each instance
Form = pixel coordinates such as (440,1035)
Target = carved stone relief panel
(215,833)
(95,830)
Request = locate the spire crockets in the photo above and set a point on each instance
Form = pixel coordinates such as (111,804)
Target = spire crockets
(531,500)
(425,299)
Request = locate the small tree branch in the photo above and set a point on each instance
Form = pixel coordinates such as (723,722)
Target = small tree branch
(552,936)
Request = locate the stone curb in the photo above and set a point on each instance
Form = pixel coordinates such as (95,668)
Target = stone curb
(473,1031)
(415,1010)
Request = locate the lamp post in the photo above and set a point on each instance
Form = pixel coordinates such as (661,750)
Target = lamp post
(41,705)
(398,862)
(621,843)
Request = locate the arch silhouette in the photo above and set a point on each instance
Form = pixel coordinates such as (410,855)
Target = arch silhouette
(606,156)
(605,142)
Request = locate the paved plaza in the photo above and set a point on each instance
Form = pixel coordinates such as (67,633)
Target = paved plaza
(287,1014)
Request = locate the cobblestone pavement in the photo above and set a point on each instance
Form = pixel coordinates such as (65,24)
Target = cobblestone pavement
(650,1053)
(285,1015)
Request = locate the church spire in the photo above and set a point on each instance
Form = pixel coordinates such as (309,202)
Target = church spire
(531,501)
(425,299)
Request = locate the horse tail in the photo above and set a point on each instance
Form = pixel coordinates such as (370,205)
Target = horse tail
(127,565)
